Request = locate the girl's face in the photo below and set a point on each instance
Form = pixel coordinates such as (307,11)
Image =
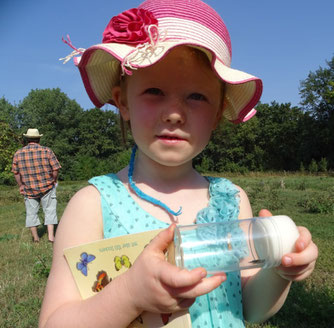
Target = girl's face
(173,106)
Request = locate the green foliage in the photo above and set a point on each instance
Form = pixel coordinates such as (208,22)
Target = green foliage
(87,143)
(86,167)
(280,136)
(9,196)
(302,167)
(10,114)
(323,165)
(313,167)
(9,143)
(8,236)
(120,160)
(204,166)
(323,204)
(317,93)
(99,133)
(302,186)
(57,118)
(233,148)
(41,268)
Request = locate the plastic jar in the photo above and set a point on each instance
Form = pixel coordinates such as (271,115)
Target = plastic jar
(234,245)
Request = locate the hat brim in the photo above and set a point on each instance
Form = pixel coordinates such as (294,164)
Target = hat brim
(32,137)
(100,70)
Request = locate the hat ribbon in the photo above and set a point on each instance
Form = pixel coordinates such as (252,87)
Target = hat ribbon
(144,51)
(75,52)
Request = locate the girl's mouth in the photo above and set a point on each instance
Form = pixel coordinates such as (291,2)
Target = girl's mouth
(170,139)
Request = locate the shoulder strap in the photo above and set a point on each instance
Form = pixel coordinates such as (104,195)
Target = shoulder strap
(113,195)
(223,204)
(121,214)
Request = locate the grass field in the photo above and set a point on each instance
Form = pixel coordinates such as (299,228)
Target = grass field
(309,200)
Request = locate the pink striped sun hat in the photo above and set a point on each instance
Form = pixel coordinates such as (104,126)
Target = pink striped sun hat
(141,36)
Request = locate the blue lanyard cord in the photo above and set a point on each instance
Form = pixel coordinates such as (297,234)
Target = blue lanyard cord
(141,194)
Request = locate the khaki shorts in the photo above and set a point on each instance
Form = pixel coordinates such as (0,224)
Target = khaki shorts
(49,205)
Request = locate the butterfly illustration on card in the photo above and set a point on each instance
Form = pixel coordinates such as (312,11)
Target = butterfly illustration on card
(137,323)
(121,261)
(84,260)
(102,280)
(165,318)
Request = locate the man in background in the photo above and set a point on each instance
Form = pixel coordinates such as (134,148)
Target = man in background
(35,168)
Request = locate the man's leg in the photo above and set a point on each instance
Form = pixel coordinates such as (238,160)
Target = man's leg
(49,204)
(51,232)
(32,220)
(34,234)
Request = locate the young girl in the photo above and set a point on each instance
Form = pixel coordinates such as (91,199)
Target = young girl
(166,66)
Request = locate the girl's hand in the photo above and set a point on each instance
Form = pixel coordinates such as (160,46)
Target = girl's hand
(299,265)
(155,285)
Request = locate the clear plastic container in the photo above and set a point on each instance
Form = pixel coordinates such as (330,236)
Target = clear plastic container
(234,245)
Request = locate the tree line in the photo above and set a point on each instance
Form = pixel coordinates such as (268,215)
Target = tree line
(88,142)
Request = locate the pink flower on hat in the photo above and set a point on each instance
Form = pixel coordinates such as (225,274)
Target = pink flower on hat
(129,27)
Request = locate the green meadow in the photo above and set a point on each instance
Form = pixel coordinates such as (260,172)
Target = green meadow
(309,200)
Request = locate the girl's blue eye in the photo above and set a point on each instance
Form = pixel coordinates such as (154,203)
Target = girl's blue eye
(154,91)
(197,96)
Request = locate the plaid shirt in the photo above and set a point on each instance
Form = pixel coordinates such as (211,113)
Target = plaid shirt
(35,164)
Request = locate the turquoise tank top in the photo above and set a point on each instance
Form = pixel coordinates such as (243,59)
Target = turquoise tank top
(122,215)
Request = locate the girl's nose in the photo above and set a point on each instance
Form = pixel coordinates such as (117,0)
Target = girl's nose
(174,113)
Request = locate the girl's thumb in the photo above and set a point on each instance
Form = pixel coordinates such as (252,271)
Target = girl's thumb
(163,239)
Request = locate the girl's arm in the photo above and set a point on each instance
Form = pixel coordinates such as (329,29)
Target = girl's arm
(62,304)
(151,284)
(265,291)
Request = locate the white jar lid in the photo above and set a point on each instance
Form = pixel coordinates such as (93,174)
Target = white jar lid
(274,237)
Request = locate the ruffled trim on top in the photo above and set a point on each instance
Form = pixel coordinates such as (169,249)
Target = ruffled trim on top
(223,204)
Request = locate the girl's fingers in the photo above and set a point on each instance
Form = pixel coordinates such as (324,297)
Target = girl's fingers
(304,239)
(204,286)
(185,303)
(307,256)
(176,278)
(299,265)
(297,273)
(293,271)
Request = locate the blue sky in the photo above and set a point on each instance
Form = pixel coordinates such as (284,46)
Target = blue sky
(278,41)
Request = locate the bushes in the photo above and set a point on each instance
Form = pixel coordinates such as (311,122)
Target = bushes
(9,143)
(313,167)
(88,142)
(84,167)
(323,165)
(321,204)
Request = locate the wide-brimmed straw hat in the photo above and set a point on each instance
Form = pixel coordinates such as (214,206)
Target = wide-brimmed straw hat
(142,36)
(32,134)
